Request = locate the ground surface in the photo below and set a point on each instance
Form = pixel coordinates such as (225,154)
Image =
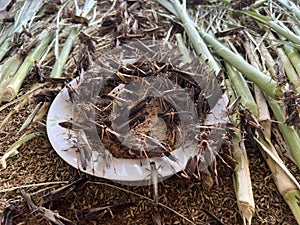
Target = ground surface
(37,162)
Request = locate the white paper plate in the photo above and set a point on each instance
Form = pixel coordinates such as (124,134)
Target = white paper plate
(126,170)
(129,171)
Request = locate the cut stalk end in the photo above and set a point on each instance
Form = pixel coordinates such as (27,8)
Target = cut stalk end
(8,95)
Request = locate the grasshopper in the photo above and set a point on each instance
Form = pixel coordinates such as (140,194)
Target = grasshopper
(154,179)
(191,167)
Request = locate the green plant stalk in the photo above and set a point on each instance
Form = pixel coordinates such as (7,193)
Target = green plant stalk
(182,48)
(264,82)
(168,5)
(284,180)
(25,14)
(294,57)
(3,35)
(261,140)
(288,67)
(199,45)
(15,84)
(258,3)
(73,31)
(4,48)
(13,150)
(64,54)
(288,189)
(290,134)
(296,28)
(10,67)
(269,62)
(237,80)
(242,180)
(284,31)
(269,86)
(291,199)
(291,7)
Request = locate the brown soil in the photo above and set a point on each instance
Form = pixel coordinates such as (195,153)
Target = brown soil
(37,163)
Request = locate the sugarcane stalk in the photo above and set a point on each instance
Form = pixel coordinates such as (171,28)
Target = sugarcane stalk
(242,180)
(169,6)
(265,83)
(27,13)
(286,186)
(64,54)
(4,48)
(294,57)
(295,27)
(190,27)
(183,49)
(9,68)
(290,135)
(15,84)
(284,180)
(288,67)
(238,81)
(28,94)
(24,15)
(282,30)
(268,85)
(291,7)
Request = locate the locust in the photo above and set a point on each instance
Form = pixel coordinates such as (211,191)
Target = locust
(94,214)
(60,195)
(231,109)
(248,121)
(87,40)
(292,107)
(154,179)
(217,221)
(156,142)
(26,31)
(82,144)
(191,167)
(243,4)
(85,149)
(49,215)
(280,75)
(156,217)
(71,92)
